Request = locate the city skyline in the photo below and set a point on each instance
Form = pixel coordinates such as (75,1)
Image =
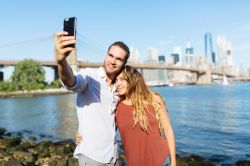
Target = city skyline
(29,27)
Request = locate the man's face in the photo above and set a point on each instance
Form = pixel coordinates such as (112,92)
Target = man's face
(114,60)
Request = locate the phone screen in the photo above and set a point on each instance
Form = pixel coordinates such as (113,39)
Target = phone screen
(69,25)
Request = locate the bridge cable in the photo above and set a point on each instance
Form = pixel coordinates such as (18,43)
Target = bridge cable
(26,42)
(91,43)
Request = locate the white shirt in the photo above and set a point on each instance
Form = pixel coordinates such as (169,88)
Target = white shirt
(95,105)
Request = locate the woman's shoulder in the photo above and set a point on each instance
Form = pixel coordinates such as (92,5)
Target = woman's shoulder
(158,98)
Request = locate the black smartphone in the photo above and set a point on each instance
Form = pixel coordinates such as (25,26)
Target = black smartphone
(69,25)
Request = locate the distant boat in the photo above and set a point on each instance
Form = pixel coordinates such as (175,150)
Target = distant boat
(170,84)
(224,80)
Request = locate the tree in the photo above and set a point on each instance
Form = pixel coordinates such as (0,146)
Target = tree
(55,84)
(6,86)
(28,75)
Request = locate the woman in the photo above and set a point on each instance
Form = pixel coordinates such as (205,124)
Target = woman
(143,120)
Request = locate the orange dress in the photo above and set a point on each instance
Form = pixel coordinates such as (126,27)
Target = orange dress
(140,148)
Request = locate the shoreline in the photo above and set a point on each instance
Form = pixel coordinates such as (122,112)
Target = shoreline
(61,91)
(31,150)
(33,93)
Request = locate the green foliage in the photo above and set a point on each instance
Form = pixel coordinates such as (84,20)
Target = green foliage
(28,75)
(55,84)
(6,86)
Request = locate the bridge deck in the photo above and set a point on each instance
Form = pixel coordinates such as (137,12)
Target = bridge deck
(139,66)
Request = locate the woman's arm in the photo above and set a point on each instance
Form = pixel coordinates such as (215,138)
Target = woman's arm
(78,138)
(168,131)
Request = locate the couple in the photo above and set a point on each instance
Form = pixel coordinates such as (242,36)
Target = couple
(116,91)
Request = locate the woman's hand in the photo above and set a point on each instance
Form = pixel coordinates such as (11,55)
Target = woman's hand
(78,138)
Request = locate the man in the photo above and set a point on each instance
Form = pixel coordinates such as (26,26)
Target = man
(96,100)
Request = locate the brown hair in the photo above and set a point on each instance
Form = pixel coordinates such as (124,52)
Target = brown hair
(140,96)
(123,46)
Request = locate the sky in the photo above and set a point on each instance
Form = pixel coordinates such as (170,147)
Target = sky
(27,27)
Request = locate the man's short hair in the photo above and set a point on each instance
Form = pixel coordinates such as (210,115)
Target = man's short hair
(123,46)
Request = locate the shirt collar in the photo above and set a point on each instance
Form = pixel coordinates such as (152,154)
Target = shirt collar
(101,73)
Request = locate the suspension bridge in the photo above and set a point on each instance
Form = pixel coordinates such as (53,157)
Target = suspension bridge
(203,73)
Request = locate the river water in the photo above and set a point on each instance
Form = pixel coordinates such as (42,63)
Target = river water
(211,121)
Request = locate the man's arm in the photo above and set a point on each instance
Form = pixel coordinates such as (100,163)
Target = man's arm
(61,52)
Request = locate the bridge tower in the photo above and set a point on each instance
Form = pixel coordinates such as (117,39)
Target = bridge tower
(1,76)
(73,61)
(208,41)
(204,78)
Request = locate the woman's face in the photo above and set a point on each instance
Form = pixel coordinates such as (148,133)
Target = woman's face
(121,85)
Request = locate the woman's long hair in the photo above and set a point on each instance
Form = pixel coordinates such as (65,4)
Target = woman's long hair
(141,97)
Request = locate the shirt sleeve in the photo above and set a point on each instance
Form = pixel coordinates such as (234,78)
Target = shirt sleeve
(81,82)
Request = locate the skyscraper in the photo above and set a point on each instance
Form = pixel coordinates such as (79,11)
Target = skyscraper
(177,55)
(150,74)
(161,59)
(176,58)
(134,57)
(162,73)
(209,47)
(189,54)
(153,53)
(224,51)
